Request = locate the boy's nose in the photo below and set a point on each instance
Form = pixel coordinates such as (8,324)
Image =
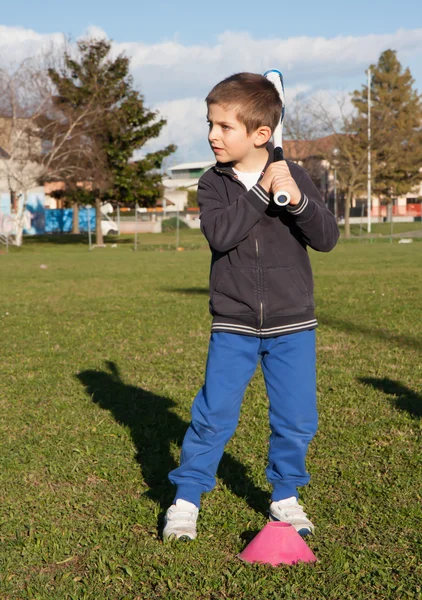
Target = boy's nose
(212,136)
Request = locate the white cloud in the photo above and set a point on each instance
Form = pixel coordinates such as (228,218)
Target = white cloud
(186,127)
(94,32)
(170,69)
(17,43)
(175,78)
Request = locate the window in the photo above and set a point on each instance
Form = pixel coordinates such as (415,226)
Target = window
(187,173)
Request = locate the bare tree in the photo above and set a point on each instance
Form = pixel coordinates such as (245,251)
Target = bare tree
(300,123)
(307,141)
(43,141)
(23,98)
(350,158)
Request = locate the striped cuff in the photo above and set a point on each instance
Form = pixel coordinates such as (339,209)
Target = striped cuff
(258,197)
(297,209)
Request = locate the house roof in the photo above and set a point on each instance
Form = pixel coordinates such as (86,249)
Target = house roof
(168,202)
(173,184)
(293,149)
(193,165)
(301,149)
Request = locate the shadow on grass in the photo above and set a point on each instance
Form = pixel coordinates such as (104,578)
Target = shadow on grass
(382,334)
(404,398)
(154,427)
(71,239)
(57,238)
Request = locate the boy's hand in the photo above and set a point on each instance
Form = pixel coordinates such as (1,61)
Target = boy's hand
(278,177)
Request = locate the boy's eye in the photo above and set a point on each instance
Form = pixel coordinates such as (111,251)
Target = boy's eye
(225,127)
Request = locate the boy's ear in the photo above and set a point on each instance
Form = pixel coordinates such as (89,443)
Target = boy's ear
(262,135)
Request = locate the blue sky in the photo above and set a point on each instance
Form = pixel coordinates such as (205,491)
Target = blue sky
(199,22)
(180,49)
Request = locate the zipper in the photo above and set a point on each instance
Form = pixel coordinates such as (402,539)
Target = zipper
(261,305)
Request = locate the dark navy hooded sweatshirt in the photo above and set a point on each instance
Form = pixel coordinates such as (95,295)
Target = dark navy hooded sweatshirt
(261,278)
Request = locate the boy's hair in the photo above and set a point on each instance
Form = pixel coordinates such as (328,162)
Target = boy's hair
(254,97)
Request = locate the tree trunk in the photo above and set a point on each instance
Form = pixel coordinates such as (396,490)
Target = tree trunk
(347,202)
(75,218)
(98,231)
(20,219)
(14,199)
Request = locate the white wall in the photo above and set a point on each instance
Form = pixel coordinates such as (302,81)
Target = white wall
(178,197)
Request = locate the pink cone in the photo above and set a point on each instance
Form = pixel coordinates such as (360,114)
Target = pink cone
(277,543)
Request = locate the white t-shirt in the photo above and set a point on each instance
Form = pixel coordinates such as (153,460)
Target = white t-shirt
(248,179)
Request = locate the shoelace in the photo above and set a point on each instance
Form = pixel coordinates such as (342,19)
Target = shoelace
(293,511)
(182,515)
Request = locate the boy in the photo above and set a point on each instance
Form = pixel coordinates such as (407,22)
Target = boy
(261,300)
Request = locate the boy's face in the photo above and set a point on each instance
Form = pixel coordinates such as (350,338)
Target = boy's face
(228,137)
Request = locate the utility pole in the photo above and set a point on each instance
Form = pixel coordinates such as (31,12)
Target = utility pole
(369,150)
(336,154)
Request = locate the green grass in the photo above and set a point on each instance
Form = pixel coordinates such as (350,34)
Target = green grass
(102,353)
(383,229)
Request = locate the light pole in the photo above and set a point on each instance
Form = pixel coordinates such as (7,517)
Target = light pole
(369,151)
(335,194)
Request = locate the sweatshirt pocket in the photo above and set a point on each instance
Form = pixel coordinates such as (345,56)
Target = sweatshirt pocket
(235,293)
(285,292)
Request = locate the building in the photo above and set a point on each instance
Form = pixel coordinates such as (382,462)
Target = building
(318,159)
(19,172)
(183,177)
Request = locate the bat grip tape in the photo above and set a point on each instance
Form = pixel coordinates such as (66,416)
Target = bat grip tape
(281,197)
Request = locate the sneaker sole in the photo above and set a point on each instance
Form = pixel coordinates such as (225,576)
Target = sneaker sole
(173,538)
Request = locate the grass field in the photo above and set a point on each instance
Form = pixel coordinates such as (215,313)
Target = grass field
(102,353)
(385,229)
(192,239)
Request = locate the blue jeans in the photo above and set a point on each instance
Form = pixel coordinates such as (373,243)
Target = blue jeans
(289,367)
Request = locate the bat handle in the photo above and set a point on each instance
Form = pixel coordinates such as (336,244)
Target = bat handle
(281,197)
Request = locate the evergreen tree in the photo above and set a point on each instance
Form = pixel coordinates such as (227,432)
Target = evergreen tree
(99,89)
(396,120)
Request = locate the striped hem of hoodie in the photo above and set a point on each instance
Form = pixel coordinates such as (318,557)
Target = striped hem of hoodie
(260,193)
(265,332)
(299,208)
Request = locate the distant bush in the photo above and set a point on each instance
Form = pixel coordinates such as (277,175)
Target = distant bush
(171,224)
(192,199)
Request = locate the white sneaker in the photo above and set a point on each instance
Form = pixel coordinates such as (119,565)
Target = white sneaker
(180,521)
(290,511)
